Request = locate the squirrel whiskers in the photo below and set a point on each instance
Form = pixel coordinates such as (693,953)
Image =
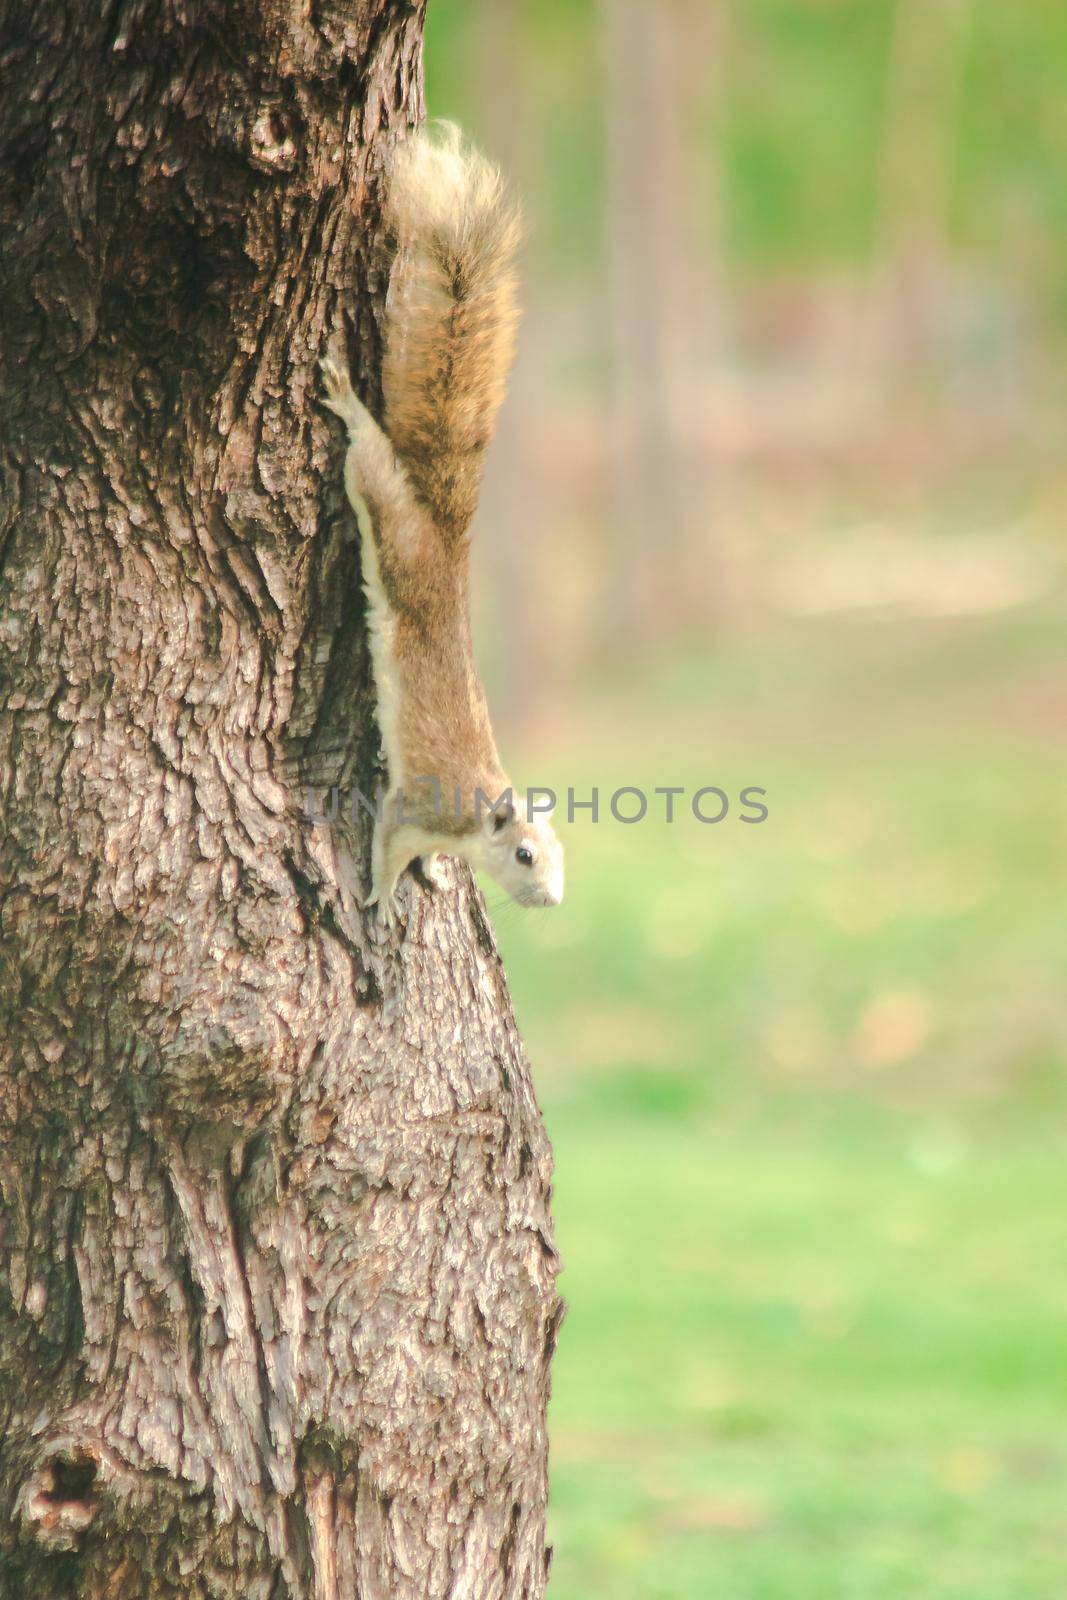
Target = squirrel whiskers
(413,482)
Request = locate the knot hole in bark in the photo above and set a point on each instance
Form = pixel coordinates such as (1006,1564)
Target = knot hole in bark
(60,1501)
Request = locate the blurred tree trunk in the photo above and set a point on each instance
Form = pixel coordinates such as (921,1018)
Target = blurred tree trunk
(927,52)
(665,272)
(276,1267)
(515,506)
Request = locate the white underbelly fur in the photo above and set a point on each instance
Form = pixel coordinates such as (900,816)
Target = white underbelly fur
(381,630)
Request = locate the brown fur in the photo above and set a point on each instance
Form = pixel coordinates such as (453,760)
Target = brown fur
(452,313)
(443,728)
(414,483)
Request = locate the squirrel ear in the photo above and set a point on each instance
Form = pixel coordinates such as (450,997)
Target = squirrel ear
(497,821)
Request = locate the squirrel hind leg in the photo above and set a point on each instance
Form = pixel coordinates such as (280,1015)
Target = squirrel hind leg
(340,397)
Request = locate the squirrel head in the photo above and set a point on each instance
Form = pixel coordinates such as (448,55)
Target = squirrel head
(523,855)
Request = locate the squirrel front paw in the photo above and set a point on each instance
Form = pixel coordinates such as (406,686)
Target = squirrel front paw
(386,906)
(433,870)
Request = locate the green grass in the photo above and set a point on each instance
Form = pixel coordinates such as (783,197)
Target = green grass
(805,1086)
(809,1364)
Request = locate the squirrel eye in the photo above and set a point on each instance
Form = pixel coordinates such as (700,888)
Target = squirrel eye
(523,856)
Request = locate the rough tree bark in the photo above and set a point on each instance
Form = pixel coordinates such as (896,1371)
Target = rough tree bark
(276,1266)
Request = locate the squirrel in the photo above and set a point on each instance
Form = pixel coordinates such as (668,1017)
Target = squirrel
(413,480)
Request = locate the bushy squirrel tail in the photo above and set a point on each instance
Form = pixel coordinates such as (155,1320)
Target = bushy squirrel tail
(452,312)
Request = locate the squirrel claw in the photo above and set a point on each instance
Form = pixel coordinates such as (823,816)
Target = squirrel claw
(338,397)
(387,909)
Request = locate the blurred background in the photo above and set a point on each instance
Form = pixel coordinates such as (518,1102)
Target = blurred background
(778,500)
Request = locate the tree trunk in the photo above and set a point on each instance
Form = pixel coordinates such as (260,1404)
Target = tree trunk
(911,287)
(517,560)
(657,61)
(276,1265)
